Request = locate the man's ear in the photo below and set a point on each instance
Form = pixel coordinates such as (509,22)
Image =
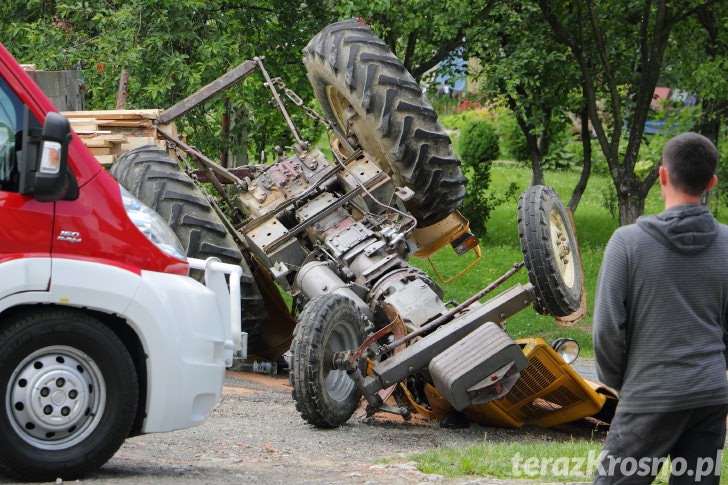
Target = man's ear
(713,181)
(663,175)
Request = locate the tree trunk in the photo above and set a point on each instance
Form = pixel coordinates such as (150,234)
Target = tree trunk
(630,208)
(534,151)
(586,169)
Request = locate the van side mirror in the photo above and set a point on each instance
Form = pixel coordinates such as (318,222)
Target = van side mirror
(44,169)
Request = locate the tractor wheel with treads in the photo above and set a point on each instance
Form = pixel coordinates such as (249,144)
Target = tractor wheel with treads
(154,178)
(550,251)
(325,396)
(366,91)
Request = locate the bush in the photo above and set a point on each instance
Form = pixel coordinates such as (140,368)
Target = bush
(478,147)
(479,143)
(512,138)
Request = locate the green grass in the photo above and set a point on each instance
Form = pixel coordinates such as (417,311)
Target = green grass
(546,461)
(594,226)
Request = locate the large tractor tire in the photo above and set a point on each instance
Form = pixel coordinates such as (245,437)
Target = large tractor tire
(155,179)
(325,397)
(550,251)
(69,394)
(367,92)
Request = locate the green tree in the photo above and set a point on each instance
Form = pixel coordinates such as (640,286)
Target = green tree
(478,147)
(619,47)
(524,66)
(421,33)
(171,49)
(697,60)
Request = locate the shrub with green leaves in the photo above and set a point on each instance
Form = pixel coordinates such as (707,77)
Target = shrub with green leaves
(478,147)
(512,138)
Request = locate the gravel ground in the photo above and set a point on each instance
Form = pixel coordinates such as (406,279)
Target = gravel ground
(255,435)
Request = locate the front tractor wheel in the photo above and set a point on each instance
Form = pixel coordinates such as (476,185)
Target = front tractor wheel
(326,397)
(550,251)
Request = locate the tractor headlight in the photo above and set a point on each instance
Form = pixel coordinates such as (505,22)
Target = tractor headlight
(152,225)
(567,348)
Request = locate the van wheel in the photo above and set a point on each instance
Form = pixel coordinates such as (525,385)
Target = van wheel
(155,179)
(69,395)
(366,91)
(550,251)
(325,397)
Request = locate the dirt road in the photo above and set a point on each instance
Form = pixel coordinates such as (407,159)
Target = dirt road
(255,435)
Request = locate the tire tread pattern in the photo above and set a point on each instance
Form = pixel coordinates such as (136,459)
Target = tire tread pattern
(307,351)
(553,296)
(155,179)
(348,56)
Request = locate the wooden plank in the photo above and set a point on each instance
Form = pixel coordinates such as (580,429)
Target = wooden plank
(126,123)
(112,138)
(97,142)
(106,160)
(84,127)
(115,114)
(137,141)
(99,150)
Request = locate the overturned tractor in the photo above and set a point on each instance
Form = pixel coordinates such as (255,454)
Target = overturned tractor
(336,234)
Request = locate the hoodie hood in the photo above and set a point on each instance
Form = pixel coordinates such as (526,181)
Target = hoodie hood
(686,228)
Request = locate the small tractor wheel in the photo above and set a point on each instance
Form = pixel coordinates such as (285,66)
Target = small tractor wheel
(325,397)
(367,92)
(550,251)
(154,178)
(69,394)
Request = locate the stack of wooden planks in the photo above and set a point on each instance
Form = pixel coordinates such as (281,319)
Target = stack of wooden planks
(109,134)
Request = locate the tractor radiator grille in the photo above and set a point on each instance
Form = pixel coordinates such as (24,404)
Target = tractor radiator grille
(534,379)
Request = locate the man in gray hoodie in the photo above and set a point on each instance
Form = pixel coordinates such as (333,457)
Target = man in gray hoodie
(660,329)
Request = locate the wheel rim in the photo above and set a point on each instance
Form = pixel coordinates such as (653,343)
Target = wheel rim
(337,382)
(562,249)
(55,397)
(356,126)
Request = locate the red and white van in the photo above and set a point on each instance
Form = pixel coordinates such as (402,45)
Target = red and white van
(102,333)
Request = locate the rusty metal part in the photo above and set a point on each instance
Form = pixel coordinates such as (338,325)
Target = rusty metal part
(206,162)
(373,338)
(261,220)
(296,99)
(239,172)
(417,355)
(281,105)
(200,96)
(450,314)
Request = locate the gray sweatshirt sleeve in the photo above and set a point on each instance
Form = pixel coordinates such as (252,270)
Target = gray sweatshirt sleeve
(610,314)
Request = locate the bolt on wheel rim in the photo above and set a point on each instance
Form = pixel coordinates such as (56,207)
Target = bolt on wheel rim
(562,248)
(337,382)
(55,397)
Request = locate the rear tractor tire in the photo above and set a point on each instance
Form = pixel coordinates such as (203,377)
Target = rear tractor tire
(366,91)
(325,397)
(154,178)
(550,251)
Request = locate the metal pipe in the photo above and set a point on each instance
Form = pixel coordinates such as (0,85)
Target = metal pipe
(316,278)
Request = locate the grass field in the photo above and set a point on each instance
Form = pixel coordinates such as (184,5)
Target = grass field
(594,225)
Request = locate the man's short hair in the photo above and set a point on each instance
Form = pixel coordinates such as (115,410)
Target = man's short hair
(690,160)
